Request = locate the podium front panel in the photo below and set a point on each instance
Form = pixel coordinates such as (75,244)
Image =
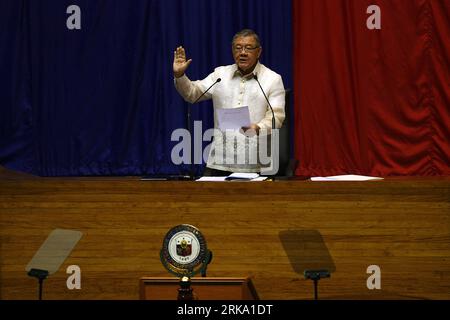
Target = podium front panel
(162,288)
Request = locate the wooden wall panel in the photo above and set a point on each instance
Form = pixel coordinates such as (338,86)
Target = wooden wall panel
(267,230)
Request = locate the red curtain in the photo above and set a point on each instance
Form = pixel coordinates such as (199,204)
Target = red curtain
(374,102)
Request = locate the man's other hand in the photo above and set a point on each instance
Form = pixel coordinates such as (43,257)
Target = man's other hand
(251,131)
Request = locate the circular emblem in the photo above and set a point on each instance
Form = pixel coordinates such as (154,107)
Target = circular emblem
(184,251)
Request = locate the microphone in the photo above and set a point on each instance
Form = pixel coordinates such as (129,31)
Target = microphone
(271,109)
(274,155)
(191,173)
(217,81)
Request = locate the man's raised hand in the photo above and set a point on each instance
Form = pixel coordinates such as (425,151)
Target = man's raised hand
(179,62)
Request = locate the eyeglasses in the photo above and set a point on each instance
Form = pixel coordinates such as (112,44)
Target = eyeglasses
(247,48)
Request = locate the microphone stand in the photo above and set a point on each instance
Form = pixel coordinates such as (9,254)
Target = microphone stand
(189,125)
(316,275)
(274,135)
(41,275)
(268,102)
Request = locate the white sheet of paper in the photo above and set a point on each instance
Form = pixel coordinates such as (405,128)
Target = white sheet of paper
(233,118)
(209,179)
(346,177)
(251,177)
(244,175)
(259,179)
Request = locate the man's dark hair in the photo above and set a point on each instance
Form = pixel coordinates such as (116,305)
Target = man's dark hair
(247,33)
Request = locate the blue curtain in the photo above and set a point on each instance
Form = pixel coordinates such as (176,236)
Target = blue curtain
(101,100)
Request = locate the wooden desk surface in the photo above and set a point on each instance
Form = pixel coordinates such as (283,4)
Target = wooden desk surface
(270,231)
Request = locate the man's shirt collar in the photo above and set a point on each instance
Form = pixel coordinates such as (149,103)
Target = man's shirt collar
(247,76)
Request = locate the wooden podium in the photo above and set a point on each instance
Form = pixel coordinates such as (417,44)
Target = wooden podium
(165,288)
